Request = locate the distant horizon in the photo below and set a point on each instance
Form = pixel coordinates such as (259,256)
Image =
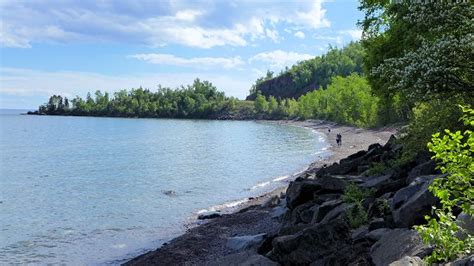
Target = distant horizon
(74,47)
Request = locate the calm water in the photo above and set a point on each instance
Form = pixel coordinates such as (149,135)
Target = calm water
(91,190)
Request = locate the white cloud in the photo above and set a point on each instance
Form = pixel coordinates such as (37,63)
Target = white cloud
(299,34)
(197,62)
(189,23)
(314,18)
(279,58)
(354,34)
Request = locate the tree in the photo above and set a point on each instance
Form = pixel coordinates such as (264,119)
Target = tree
(261,104)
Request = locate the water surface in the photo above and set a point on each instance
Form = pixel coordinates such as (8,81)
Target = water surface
(85,190)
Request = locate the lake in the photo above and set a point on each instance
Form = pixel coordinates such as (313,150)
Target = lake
(87,190)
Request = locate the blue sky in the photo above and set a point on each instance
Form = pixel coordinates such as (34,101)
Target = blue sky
(73,47)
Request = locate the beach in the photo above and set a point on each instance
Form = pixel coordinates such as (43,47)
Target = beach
(206,242)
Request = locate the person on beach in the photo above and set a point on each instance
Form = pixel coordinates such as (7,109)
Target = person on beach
(339,139)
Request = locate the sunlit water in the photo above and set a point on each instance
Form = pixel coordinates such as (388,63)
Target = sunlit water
(84,190)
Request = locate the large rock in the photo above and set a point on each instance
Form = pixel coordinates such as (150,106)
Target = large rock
(323,241)
(426,168)
(304,212)
(396,245)
(209,215)
(337,183)
(301,191)
(468,261)
(244,242)
(466,222)
(243,259)
(408,261)
(411,204)
(324,209)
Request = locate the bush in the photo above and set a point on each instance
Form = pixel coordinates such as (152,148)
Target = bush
(357,215)
(454,152)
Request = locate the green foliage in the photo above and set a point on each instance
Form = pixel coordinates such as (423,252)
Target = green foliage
(199,100)
(455,153)
(427,118)
(375,169)
(354,194)
(347,100)
(418,51)
(261,104)
(314,73)
(356,215)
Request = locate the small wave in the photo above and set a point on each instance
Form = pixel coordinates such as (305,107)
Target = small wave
(228,205)
(280,178)
(260,185)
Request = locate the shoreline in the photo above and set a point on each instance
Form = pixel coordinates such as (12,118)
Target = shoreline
(204,241)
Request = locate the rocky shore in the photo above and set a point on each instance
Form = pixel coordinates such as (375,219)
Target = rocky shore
(342,213)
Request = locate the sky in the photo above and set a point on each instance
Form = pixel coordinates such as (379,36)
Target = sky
(73,47)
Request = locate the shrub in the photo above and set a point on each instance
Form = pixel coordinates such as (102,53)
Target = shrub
(454,152)
(357,215)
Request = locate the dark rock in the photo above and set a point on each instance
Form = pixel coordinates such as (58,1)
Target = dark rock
(324,209)
(169,193)
(359,233)
(337,183)
(468,261)
(304,212)
(466,222)
(377,223)
(376,234)
(412,203)
(209,215)
(335,213)
(291,229)
(383,183)
(328,242)
(426,168)
(321,198)
(408,261)
(244,242)
(395,245)
(245,258)
(301,191)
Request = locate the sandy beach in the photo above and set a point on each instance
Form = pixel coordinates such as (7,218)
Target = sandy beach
(205,243)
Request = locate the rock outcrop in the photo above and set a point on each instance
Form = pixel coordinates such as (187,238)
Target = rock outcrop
(322,227)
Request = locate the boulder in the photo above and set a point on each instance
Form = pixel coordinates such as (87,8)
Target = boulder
(376,234)
(243,259)
(324,209)
(244,242)
(395,245)
(360,233)
(323,241)
(466,222)
(426,168)
(408,261)
(304,212)
(209,215)
(335,213)
(377,223)
(320,198)
(468,261)
(412,203)
(301,191)
(337,183)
